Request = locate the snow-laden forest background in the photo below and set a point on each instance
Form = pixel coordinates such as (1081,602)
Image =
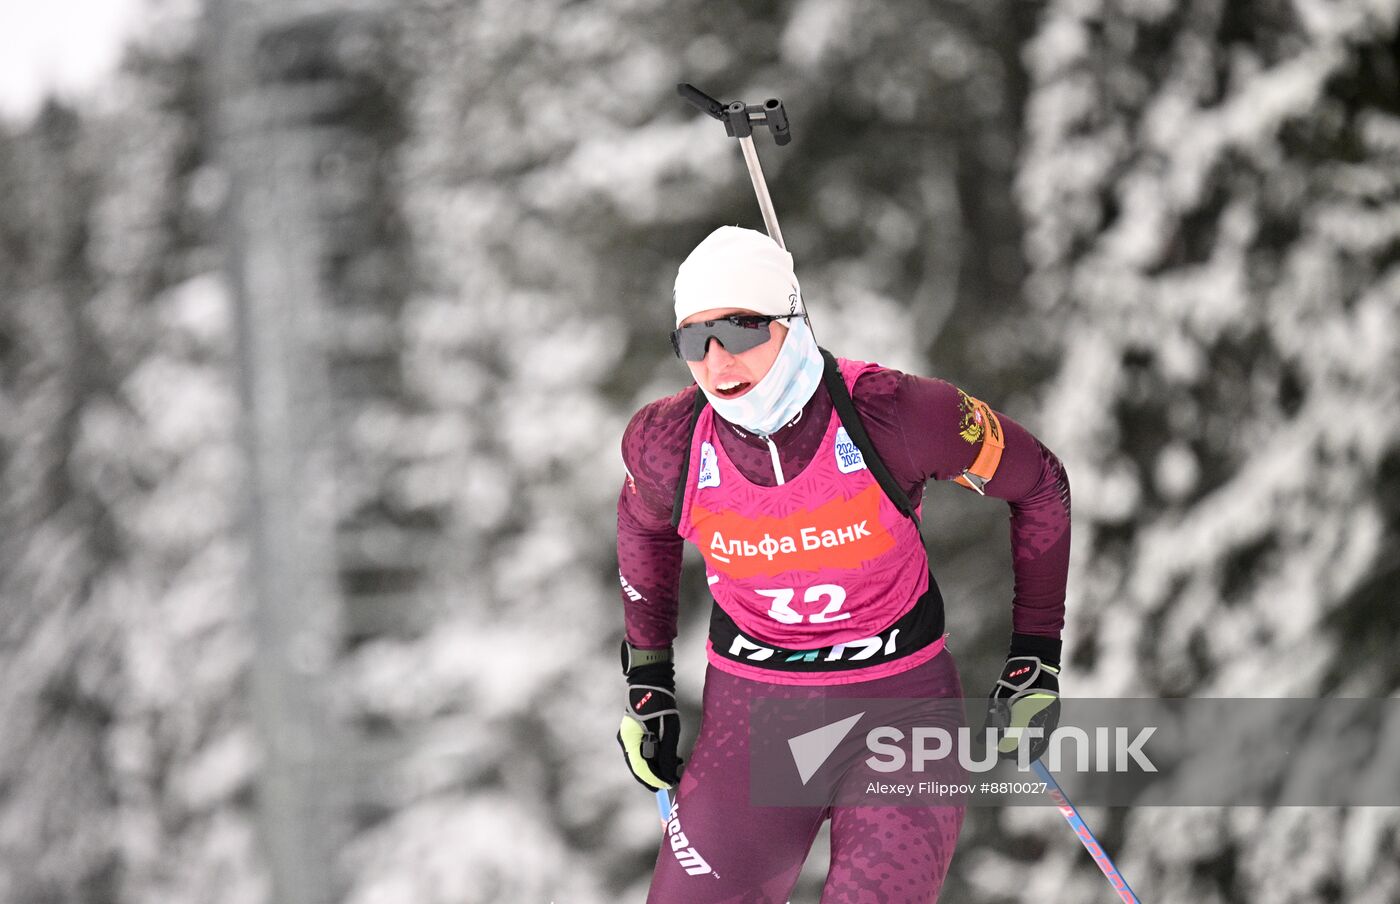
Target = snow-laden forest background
(320,322)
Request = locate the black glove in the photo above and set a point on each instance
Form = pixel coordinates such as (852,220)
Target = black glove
(1027,695)
(651,724)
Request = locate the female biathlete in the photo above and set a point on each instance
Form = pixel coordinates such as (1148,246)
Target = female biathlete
(799,477)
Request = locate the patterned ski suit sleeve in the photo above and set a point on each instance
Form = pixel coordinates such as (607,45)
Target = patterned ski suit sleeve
(940,437)
(648,547)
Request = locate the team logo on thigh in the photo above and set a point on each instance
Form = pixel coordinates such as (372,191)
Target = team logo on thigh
(686,854)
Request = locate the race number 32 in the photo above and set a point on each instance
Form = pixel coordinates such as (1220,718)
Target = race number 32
(782,598)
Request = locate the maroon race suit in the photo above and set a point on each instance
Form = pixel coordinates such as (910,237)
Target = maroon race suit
(921,429)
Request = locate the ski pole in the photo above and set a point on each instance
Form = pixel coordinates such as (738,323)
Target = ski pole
(1091,844)
(739,119)
(663,806)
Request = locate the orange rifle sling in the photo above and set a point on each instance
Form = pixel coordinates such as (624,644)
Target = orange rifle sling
(993,443)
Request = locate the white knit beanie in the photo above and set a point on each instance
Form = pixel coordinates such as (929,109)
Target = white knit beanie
(737,268)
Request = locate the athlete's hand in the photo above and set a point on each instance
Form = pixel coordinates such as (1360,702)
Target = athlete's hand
(1027,695)
(651,724)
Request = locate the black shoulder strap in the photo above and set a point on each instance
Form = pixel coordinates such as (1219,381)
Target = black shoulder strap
(846,410)
(700,402)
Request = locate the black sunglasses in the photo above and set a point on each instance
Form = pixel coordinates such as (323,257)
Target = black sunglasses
(737,333)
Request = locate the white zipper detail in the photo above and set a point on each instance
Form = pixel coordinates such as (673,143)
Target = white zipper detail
(777,467)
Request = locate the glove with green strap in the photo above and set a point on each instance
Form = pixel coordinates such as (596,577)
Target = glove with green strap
(651,724)
(1027,695)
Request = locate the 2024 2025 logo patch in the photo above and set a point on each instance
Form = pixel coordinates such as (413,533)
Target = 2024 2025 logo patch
(709,466)
(848,457)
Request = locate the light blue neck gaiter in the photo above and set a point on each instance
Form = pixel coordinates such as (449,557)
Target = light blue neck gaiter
(780,395)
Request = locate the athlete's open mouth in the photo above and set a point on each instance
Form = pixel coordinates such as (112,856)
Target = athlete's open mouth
(731,389)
